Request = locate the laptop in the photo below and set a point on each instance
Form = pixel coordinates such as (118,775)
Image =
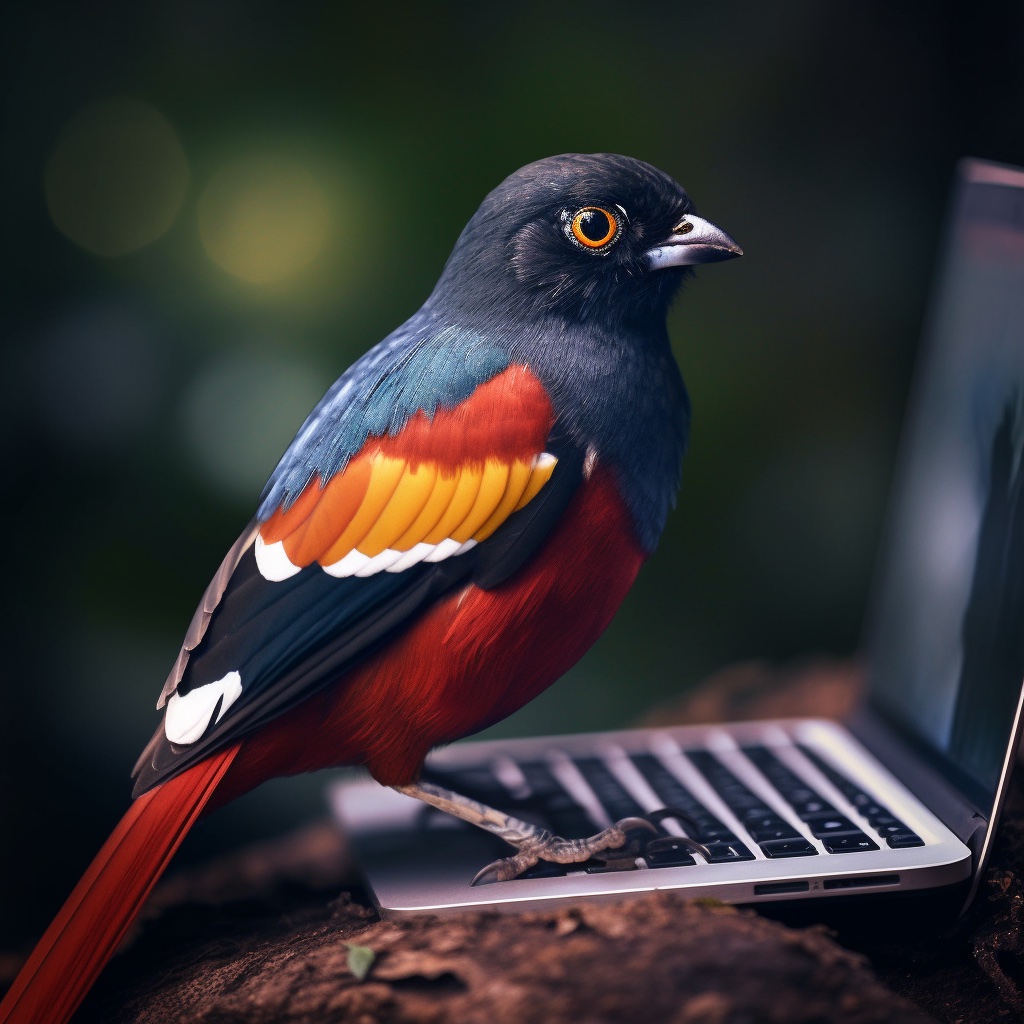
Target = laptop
(906,794)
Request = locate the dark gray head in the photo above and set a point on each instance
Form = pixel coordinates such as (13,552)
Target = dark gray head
(581,236)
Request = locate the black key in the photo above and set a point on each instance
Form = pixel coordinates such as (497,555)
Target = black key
(667,787)
(770,827)
(808,809)
(881,821)
(772,767)
(668,853)
(742,801)
(898,835)
(821,817)
(840,781)
(797,794)
(711,767)
(758,819)
(756,812)
(717,833)
(797,847)
(700,823)
(848,842)
(899,840)
(562,814)
(728,851)
(849,790)
(611,794)
(829,823)
(894,829)
(871,811)
(544,869)
(834,776)
(780,830)
(846,786)
(737,796)
(876,814)
(598,867)
(788,783)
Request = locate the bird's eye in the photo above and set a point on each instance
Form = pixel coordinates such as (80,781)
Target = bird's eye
(594,227)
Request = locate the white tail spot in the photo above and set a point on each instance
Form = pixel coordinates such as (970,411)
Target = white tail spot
(188,715)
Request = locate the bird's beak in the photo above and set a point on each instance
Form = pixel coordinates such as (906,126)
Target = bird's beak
(693,240)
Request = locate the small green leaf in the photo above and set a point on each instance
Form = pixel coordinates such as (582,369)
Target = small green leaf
(712,904)
(360,959)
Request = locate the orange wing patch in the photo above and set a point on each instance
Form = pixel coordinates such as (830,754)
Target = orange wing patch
(432,492)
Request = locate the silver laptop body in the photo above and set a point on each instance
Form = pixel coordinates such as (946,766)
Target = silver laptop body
(905,795)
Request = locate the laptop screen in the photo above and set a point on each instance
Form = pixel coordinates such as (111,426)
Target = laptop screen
(946,633)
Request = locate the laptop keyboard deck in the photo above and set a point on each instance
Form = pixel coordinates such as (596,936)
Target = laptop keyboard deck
(579,796)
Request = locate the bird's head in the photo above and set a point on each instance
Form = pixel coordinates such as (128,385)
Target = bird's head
(582,236)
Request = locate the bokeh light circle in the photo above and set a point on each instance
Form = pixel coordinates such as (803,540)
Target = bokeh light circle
(116,178)
(263,218)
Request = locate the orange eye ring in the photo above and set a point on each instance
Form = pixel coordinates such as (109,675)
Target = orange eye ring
(594,227)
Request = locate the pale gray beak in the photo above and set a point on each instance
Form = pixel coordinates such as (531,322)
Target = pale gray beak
(693,240)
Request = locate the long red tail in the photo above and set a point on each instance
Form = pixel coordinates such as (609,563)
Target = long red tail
(100,910)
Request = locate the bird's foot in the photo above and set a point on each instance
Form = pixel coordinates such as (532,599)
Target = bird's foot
(624,841)
(543,845)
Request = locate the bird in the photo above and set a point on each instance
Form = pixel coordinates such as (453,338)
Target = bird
(452,527)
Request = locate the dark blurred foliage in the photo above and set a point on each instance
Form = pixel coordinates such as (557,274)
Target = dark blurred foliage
(148,393)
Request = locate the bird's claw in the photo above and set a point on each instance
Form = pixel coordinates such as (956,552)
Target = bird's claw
(629,824)
(504,869)
(613,844)
(687,822)
(675,814)
(631,845)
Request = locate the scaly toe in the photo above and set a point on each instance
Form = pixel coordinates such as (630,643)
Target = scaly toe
(628,824)
(504,870)
(613,844)
(631,845)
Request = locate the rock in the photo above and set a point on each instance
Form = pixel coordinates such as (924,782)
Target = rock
(658,957)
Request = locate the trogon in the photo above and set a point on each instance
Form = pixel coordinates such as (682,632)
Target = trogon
(452,527)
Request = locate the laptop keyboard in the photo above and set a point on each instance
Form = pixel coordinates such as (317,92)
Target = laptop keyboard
(696,820)
(890,828)
(838,834)
(544,797)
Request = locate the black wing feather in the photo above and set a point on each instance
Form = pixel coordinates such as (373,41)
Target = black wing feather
(288,639)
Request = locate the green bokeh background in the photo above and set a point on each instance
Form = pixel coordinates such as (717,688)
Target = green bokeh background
(147,396)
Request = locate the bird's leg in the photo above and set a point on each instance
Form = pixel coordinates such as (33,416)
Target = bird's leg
(533,842)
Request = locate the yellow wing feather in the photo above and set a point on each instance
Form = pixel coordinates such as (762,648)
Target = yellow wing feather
(543,467)
(439,500)
(518,476)
(419,508)
(492,487)
(459,506)
(384,480)
(403,508)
